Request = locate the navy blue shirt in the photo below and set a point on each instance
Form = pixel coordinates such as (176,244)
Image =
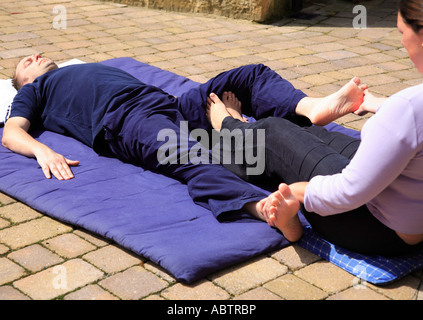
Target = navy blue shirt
(73,100)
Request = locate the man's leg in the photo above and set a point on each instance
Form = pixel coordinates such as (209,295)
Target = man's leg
(262,91)
(265,93)
(159,143)
(290,153)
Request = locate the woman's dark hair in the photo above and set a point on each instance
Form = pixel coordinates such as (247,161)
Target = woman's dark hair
(412,13)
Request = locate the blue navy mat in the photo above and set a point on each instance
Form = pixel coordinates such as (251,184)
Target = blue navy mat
(147,213)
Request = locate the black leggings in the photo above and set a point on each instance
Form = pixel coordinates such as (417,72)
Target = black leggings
(294,153)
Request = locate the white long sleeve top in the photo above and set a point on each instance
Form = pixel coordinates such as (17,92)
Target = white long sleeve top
(386,173)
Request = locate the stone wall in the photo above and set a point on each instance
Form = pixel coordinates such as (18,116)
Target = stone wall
(254,10)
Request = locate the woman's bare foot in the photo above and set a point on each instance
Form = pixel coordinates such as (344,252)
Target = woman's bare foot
(216,111)
(322,111)
(280,209)
(233,105)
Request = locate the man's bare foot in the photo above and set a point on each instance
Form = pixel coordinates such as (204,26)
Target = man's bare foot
(322,111)
(233,105)
(216,111)
(280,209)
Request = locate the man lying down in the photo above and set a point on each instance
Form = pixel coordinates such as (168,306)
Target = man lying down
(119,116)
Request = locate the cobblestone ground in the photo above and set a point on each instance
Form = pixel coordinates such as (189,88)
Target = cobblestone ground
(319,51)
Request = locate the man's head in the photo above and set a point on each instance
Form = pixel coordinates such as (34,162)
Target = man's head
(31,67)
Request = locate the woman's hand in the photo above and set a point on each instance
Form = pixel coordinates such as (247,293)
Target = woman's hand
(370,104)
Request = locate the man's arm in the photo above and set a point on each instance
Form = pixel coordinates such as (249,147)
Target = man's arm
(17,139)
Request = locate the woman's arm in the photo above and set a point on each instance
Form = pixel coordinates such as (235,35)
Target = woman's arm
(17,139)
(389,142)
(298,190)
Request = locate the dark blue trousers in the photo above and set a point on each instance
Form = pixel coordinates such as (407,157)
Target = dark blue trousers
(294,153)
(262,92)
(149,129)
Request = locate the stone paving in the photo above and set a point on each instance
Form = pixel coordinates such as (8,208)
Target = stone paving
(318,51)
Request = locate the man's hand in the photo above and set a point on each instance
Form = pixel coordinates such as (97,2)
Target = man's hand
(17,139)
(54,163)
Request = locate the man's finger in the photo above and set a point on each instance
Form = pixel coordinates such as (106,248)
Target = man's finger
(46,171)
(64,171)
(72,163)
(55,172)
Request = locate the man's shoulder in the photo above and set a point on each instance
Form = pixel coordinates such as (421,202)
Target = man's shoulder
(92,68)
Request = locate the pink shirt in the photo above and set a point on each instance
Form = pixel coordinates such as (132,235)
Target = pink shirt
(386,173)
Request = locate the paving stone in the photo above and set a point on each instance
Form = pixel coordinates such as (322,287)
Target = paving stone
(3,249)
(389,88)
(291,287)
(278,55)
(358,293)
(337,75)
(58,280)
(17,53)
(160,272)
(35,257)
(10,293)
(14,45)
(392,66)
(403,289)
(79,52)
(380,57)
(9,271)
(4,223)
(317,80)
(4,199)
(379,79)
(201,290)
(94,239)
(363,50)
(231,53)
(251,274)
(18,212)
(258,294)
(295,257)
(90,292)
(336,55)
(406,74)
(171,46)
(73,44)
(31,232)
(68,245)
(154,297)
(133,284)
(325,47)
(18,36)
(111,259)
(326,276)
(363,71)
(420,293)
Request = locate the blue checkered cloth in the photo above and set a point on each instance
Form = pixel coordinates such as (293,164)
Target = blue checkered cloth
(378,270)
